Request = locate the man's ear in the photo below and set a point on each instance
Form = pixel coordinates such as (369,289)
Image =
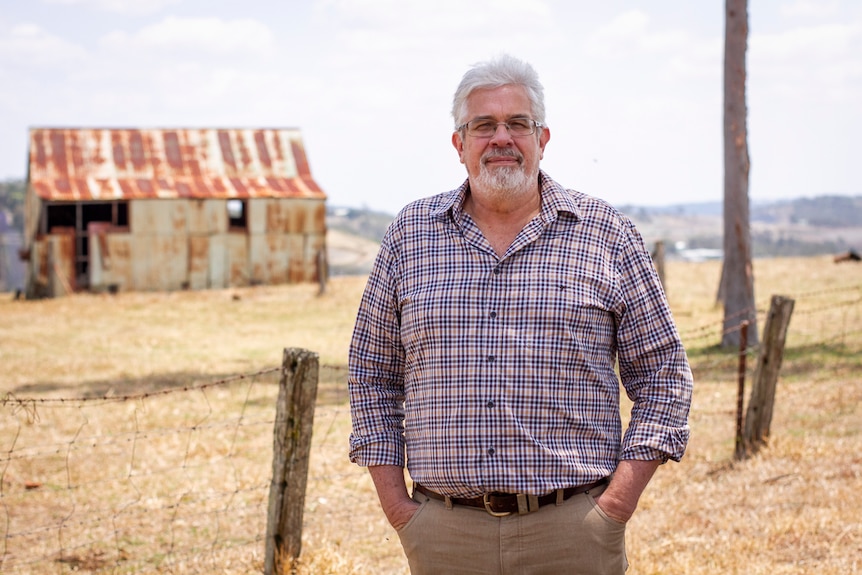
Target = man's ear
(459,144)
(543,141)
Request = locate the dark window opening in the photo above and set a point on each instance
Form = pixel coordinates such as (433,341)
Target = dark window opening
(67,215)
(78,217)
(60,216)
(96,213)
(236,214)
(122,218)
(82,261)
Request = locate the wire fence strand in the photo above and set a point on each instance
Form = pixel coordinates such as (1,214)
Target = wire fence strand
(177,480)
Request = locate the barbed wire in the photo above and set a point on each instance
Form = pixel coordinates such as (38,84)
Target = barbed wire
(712,326)
(193,484)
(827,307)
(82,521)
(11,399)
(827,291)
(94,518)
(711,330)
(820,341)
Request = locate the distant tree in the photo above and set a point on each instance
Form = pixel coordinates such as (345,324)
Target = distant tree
(832,211)
(736,288)
(12,194)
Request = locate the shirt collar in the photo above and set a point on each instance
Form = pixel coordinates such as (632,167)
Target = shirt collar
(453,201)
(555,199)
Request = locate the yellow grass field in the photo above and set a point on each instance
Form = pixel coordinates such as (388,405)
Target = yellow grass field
(794,508)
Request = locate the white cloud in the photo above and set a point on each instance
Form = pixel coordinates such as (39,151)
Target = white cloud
(633,88)
(208,35)
(814,64)
(630,33)
(410,32)
(806,43)
(810,9)
(132,7)
(30,45)
(456,16)
(201,71)
(701,59)
(412,43)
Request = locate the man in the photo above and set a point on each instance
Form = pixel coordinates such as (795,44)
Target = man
(485,345)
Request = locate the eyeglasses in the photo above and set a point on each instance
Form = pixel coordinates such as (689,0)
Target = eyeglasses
(485,128)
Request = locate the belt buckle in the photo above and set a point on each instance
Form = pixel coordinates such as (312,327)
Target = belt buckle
(490,511)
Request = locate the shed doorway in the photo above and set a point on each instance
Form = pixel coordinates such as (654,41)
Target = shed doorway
(75,218)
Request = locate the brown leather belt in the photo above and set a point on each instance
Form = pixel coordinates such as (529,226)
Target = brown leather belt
(502,504)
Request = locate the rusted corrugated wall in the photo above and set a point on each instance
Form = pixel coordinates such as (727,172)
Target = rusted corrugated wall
(176,185)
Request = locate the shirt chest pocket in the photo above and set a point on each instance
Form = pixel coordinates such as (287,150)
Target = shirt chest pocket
(559,315)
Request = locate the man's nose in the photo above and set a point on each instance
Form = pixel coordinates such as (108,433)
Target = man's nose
(501,137)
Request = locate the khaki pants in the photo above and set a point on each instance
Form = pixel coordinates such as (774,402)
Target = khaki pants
(573,538)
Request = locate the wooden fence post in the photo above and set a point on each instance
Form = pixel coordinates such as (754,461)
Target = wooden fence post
(658,262)
(322,271)
(758,418)
(297,393)
(739,453)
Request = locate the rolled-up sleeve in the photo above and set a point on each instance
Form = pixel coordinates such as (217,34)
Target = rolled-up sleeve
(654,369)
(376,368)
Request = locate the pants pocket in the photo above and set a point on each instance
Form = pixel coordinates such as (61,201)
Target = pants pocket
(601,513)
(414,518)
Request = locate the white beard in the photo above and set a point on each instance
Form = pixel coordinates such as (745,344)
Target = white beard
(504,181)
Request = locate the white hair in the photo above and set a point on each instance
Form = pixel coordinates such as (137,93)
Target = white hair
(504,70)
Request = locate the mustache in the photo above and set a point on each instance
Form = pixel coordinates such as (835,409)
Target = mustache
(502,153)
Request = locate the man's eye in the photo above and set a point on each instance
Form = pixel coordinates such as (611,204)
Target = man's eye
(519,124)
(485,126)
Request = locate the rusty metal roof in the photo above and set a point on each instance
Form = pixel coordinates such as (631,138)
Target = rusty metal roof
(69,164)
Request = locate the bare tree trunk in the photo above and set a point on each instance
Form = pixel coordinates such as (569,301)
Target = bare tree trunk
(737,277)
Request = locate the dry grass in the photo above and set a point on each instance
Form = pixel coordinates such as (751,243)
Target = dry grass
(95,342)
(794,508)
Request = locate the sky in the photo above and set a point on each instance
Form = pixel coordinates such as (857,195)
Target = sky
(633,89)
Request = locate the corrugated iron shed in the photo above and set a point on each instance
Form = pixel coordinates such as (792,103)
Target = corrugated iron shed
(166,209)
(76,165)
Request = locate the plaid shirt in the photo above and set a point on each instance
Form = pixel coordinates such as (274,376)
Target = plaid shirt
(498,373)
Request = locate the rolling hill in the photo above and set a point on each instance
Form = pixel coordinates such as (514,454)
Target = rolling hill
(800,227)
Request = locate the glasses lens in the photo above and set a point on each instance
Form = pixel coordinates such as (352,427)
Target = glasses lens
(481,128)
(520,126)
(486,128)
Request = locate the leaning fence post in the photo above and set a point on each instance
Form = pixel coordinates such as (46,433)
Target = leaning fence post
(294,419)
(740,395)
(758,418)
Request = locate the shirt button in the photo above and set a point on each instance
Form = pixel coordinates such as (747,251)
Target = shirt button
(491,359)
(492,451)
(493,314)
(490,404)
(496,271)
